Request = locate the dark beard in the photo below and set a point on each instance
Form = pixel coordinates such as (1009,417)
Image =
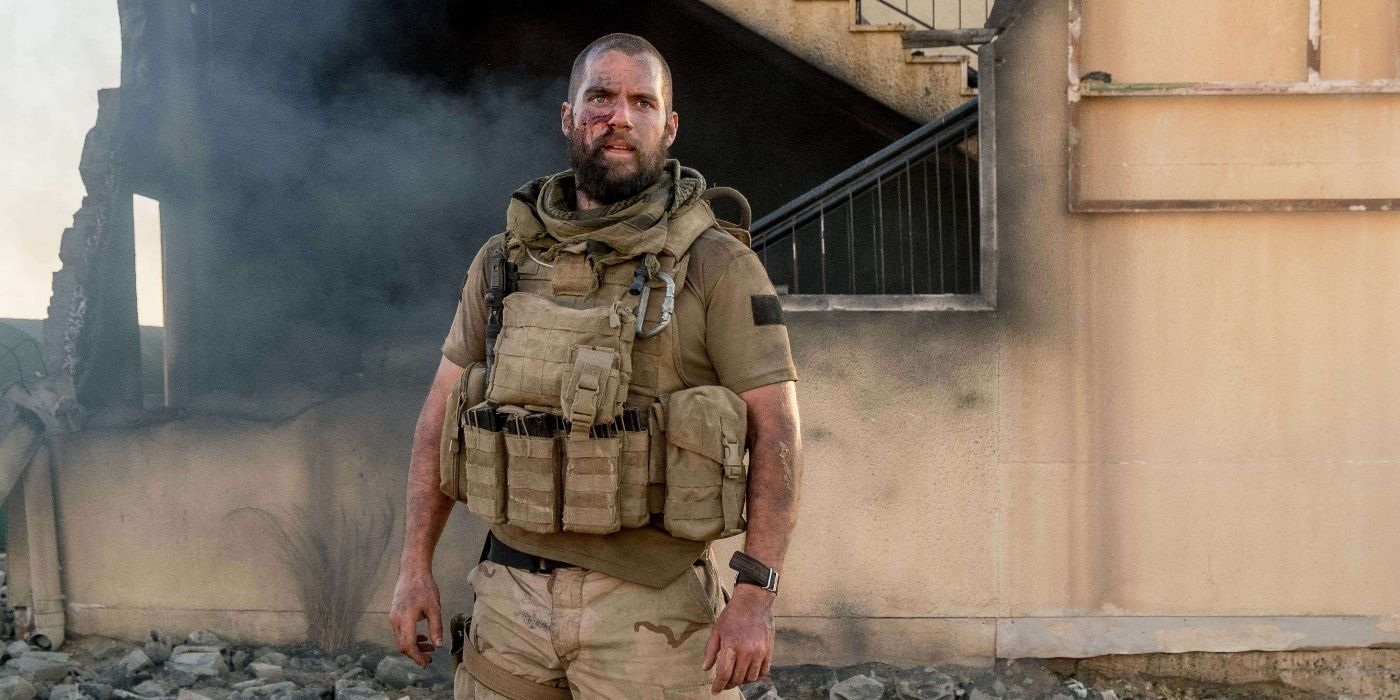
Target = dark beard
(595,178)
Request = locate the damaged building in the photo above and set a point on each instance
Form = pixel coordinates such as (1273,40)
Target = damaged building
(1089,302)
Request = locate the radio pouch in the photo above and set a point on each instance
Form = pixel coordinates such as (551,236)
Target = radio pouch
(706,478)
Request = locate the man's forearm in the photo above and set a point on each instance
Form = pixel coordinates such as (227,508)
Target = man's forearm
(426,508)
(775,467)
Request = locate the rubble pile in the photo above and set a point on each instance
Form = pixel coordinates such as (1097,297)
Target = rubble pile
(203,666)
(1007,680)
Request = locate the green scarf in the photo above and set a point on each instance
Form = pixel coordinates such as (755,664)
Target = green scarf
(541,216)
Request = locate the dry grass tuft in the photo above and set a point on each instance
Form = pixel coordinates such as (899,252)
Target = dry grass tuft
(336,565)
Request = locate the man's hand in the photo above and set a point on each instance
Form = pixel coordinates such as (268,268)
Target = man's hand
(416,597)
(740,648)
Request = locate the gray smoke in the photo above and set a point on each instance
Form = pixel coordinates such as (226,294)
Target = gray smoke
(347,215)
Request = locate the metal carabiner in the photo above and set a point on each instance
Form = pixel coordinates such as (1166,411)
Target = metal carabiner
(668,307)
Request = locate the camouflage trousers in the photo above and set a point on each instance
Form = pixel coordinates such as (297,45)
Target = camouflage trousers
(597,635)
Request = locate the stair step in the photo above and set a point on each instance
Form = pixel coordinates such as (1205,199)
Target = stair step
(897,27)
(935,58)
(963,64)
(935,38)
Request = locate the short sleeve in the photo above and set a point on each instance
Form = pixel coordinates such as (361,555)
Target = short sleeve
(466,339)
(745,336)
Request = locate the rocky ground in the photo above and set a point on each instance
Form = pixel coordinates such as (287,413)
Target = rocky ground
(203,666)
(1007,680)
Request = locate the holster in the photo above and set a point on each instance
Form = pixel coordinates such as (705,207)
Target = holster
(457,632)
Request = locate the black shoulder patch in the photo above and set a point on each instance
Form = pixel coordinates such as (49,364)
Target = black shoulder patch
(766,310)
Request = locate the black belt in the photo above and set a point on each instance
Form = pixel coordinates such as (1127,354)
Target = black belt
(501,553)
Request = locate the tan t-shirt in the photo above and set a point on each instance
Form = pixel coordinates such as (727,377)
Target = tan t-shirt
(730,332)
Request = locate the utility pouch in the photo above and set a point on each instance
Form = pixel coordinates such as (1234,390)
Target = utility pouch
(450,450)
(632,483)
(533,484)
(468,390)
(588,394)
(591,480)
(706,479)
(484,462)
(540,358)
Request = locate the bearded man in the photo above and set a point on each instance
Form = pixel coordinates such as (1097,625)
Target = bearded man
(642,350)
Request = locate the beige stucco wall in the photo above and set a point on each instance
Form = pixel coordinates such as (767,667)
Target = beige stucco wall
(152,535)
(1176,432)
(1197,410)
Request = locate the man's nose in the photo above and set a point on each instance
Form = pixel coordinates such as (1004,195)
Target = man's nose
(621,116)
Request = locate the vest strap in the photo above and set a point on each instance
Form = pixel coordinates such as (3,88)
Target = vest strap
(505,682)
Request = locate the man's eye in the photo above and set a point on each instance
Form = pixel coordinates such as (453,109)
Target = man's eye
(598,99)
(644,104)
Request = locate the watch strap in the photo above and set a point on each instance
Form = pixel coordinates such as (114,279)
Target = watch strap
(754,572)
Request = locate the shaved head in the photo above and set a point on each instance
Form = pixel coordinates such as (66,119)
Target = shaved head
(629,44)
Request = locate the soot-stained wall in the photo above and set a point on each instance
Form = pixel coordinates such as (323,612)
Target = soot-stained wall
(353,156)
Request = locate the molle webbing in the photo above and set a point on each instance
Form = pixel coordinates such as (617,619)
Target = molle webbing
(538,352)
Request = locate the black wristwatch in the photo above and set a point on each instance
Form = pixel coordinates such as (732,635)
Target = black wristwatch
(754,572)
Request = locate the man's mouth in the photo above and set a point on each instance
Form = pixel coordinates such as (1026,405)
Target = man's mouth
(618,147)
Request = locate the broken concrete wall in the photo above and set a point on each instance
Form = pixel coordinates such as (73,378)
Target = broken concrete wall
(90,335)
(91,339)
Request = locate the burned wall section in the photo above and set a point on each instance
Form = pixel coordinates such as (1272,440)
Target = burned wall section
(91,344)
(91,337)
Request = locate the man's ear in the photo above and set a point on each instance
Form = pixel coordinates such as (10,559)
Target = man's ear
(673,124)
(566,118)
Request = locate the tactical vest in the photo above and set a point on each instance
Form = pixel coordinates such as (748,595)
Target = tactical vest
(585,423)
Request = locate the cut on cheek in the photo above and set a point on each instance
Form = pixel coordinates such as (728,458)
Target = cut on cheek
(595,118)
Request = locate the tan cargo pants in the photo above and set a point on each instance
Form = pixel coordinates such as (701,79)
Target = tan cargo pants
(597,635)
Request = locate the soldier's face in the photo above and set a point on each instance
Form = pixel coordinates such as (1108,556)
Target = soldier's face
(619,129)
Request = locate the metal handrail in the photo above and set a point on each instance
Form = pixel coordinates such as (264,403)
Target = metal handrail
(936,134)
(904,12)
(915,19)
